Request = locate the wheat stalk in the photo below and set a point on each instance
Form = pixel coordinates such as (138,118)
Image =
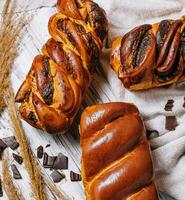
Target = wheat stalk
(9,187)
(11,31)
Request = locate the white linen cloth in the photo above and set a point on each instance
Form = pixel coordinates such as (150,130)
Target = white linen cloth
(169,146)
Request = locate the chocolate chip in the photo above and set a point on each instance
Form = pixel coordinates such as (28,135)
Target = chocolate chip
(61,162)
(75,177)
(171,123)
(11,142)
(184,105)
(2,146)
(48,161)
(57,176)
(15,171)
(48,145)
(40,152)
(1,189)
(18,158)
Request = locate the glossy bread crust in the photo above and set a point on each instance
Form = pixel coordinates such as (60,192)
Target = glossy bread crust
(52,92)
(151,55)
(116,159)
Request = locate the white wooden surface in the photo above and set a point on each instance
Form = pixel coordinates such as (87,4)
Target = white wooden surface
(36,35)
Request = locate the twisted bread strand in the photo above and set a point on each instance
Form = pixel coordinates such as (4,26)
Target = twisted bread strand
(151,55)
(116,160)
(51,95)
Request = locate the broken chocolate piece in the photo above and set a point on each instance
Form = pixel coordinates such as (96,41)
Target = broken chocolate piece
(48,161)
(40,152)
(61,162)
(18,158)
(11,142)
(2,146)
(169,105)
(75,177)
(57,176)
(171,123)
(15,171)
(1,189)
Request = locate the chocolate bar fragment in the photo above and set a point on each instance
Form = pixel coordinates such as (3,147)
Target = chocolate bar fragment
(169,105)
(171,123)
(17,158)
(15,171)
(61,162)
(57,176)
(2,146)
(48,161)
(75,177)
(40,151)
(11,142)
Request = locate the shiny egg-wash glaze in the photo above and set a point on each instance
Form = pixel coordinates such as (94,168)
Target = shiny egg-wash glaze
(116,158)
(51,95)
(151,55)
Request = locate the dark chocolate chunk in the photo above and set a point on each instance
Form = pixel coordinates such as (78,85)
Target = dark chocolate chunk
(15,171)
(48,145)
(75,177)
(169,105)
(184,105)
(57,176)
(61,162)
(1,189)
(48,161)
(18,158)
(2,146)
(40,152)
(11,142)
(171,123)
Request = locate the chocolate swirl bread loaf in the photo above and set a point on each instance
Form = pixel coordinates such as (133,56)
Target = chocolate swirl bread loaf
(151,55)
(116,160)
(51,95)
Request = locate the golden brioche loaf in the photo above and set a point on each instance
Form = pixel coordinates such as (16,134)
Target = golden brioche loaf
(116,159)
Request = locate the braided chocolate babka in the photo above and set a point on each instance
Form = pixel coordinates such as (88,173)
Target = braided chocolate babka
(51,95)
(151,55)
